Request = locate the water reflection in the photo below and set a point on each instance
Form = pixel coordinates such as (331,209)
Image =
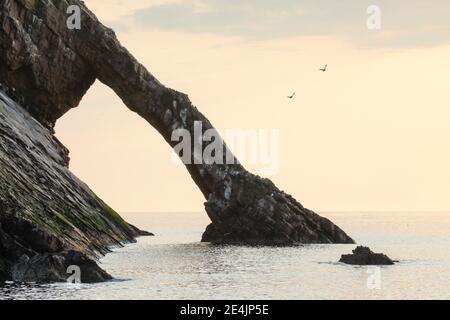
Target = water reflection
(29,291)
(174,265)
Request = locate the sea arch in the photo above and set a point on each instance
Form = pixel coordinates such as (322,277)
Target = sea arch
(53,67)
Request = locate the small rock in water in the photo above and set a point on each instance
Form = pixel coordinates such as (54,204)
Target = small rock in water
(364,256)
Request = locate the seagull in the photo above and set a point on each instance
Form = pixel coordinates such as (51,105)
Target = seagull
(324,69)
(291,96)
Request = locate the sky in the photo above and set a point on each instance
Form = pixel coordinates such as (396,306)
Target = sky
(369,134)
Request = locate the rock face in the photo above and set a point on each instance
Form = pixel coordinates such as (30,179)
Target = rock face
(49,219)
(364,256)
(47,68)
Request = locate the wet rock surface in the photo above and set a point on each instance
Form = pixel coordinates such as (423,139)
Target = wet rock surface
(48,267)
(47,68)
(364,256)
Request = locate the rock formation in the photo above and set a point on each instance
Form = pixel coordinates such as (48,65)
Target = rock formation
(364,256)
(47,216)
(47,68)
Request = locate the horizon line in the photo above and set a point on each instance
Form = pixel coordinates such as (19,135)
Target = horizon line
(325,211)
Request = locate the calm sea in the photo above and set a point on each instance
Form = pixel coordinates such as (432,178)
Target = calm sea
(175,265)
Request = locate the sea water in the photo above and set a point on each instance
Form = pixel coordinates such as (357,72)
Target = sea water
(176,265)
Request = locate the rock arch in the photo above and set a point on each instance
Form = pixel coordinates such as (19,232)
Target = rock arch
(51,67)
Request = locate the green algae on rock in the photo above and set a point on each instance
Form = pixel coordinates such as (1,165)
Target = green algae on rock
(49,219)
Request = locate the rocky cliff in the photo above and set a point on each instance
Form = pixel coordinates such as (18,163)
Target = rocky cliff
(47,68)
(49,219)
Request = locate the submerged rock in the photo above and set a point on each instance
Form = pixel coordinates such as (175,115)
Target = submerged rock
(364,256)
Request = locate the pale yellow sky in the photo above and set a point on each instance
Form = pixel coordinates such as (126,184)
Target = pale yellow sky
(372,133)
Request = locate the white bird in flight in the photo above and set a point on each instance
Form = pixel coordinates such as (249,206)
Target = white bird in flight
(324,69)
(291,96)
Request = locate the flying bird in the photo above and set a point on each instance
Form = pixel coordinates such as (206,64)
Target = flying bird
(324,69)
(291,96)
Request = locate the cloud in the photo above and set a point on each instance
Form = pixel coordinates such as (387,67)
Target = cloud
(405,23)
(113,10)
